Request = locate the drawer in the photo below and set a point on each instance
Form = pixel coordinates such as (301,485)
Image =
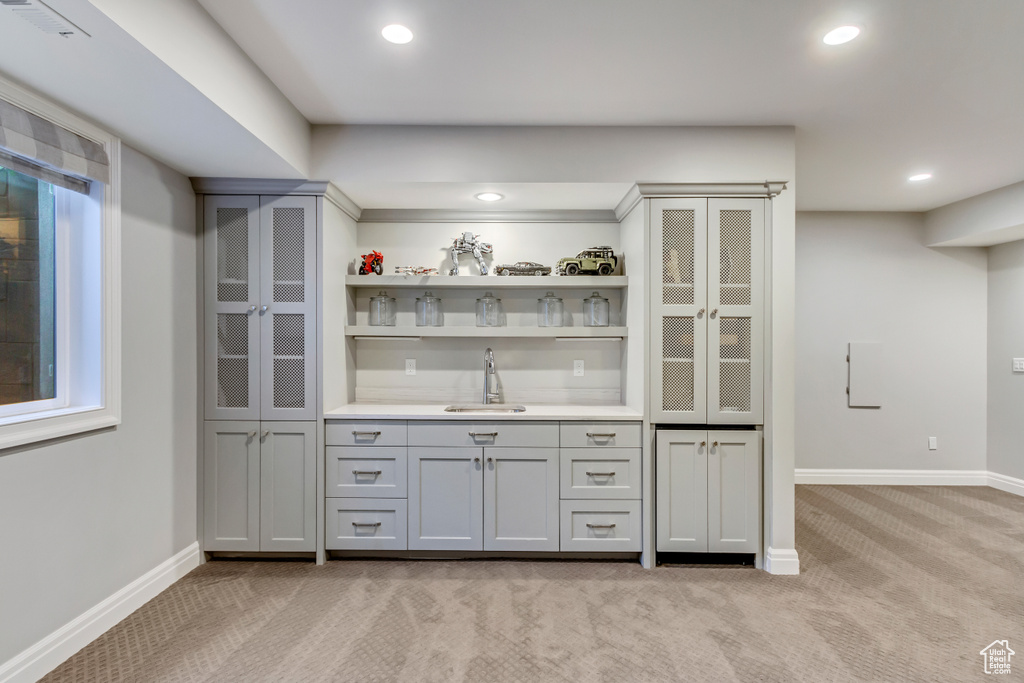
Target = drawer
(600,435)
(365,433)
(352,471)
(366,524)
(600,525)
(599,473)
(527,434)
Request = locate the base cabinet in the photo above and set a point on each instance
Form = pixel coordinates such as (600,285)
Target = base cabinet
(259,486)
(708,487)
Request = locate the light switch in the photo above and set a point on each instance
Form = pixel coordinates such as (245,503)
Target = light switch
(933,443)
(577,368)
(1018,364)
(410,366)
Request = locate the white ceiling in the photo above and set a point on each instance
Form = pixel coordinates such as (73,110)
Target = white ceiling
(933,85)
(930,85)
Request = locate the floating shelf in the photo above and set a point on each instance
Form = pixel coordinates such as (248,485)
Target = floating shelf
(487,281)
(494,332)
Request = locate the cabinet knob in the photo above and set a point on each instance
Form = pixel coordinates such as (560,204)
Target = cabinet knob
(714,444)
(252,309)
(252,434)
(476,459)
(703,444)
(266,433)
(490,460)
(700,312)
(714,312)
(264,309)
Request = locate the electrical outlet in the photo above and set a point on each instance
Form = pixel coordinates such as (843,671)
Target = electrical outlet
(1018,364)
(577,368)
(410,366)
(933,443)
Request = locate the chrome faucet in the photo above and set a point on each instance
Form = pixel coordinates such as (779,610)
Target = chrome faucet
(490,378)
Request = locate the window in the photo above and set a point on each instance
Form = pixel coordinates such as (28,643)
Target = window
(59,272)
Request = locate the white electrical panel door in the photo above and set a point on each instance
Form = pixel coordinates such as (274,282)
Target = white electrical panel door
(735,329)
(521,499)
(232,297)
(231,486)
(681,461)
(678,310)
(288,307)
(867,375)
(288,486)
(445,498)
(734,491)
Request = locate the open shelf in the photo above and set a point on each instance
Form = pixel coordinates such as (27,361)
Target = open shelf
(487,281)
(454,331)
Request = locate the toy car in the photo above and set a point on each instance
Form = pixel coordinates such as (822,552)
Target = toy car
(592,261)
(522,268)
(374,261)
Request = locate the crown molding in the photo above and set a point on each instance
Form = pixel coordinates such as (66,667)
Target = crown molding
(458,216)
(629,202)
(258,186)
(767,188)
(341,200)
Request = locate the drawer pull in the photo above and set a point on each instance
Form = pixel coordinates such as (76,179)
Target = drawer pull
(600,474)
(479,434)
(373,434)
(600,526)
(366,524)
(593,435)
(375,473)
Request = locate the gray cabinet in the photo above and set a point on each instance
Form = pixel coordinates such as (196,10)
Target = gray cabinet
(707,303)
(446,498)
(521,499)
(260,307)
(259,486)
(708,491)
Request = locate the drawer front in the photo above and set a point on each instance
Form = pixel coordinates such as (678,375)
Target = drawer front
(365,433)
(522,434)
(357,472)
(366,524)
(600,525)
(610,473)
(600,435)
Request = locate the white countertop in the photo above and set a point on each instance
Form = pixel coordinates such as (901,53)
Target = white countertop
(378,411)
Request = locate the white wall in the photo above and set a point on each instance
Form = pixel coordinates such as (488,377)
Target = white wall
(83,517)
(1005,342)
(869,277)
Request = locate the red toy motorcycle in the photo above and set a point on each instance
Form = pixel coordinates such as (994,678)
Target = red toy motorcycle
(374,261)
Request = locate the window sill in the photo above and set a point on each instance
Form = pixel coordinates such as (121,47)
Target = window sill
(21,430)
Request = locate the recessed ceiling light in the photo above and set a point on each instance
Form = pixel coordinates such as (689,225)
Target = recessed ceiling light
(919,177)
(489,196)
(843,34)
(396,33)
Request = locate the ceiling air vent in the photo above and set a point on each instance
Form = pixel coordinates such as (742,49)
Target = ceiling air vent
(43,17)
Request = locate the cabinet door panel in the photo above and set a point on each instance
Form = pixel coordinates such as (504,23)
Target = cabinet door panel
(231,486)
(682,491)
(288,486)
(521,499)
(445,498)
(678,310)
(735,300)
(734,492)
(288,290)
(231,273)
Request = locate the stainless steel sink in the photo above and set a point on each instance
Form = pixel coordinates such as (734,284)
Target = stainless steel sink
(485,408)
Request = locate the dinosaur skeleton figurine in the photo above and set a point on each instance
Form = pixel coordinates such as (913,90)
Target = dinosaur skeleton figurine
(469,244)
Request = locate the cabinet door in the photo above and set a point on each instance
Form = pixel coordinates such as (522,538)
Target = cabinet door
(288,308)
(735,304)
(681,459)
(288,486)
(231,486)
(678,310)
(445,498)
(231,297)
(521,499)
(734,492)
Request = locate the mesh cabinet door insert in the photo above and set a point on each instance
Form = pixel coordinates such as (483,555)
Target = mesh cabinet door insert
(288,263)
(735,302)
(232,297)
(678,310)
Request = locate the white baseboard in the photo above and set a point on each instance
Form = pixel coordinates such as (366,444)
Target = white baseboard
(894,477)
(46,655)
(782,561)
(1006,483)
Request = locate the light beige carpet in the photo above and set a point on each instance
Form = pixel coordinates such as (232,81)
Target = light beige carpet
(897,584)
